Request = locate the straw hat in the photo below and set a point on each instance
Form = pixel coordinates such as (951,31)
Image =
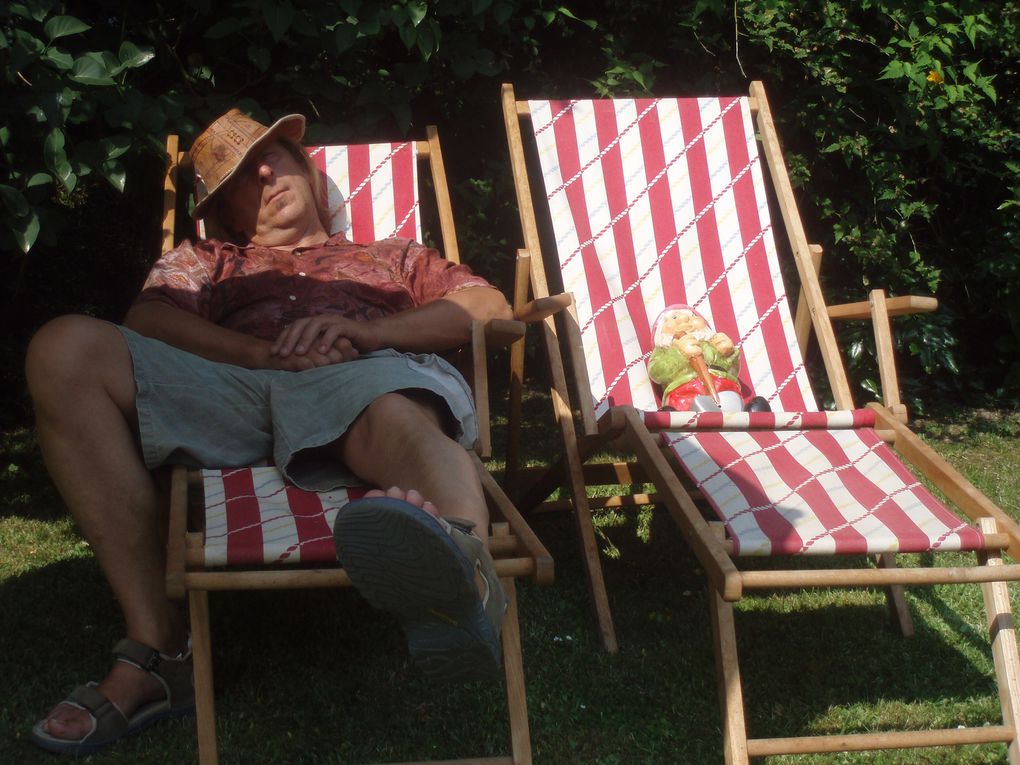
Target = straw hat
(227,142)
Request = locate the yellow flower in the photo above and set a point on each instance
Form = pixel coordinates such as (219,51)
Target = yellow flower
(935,77)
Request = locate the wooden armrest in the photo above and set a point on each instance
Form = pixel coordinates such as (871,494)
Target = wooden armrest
(896,306)
(540,308)
(502,332)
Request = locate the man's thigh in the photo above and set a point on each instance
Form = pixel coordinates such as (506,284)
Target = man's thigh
(193,411)
(314,409)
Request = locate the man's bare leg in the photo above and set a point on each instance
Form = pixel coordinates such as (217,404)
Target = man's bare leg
(82,383)
(399,441)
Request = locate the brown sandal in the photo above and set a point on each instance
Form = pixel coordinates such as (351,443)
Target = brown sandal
(109,724)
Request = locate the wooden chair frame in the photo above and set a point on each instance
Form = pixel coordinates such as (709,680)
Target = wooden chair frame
(515,548)
(624,426)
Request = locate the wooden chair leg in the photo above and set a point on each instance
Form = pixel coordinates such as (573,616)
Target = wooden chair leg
(201,652)
(513,668)
(895,599)
(593,568)
(1005,656)
(731,695)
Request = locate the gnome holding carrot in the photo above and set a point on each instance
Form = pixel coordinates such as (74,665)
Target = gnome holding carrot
(696,366)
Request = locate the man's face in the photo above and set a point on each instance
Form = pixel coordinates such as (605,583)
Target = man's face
(270,197)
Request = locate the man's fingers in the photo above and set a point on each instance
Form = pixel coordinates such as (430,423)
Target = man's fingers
(309,333)
(329,335)
(289,338)
(346,348)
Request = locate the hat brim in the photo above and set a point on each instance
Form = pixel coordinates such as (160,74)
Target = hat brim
(291,127)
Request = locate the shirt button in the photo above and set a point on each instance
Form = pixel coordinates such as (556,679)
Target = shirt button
(302,273)
(292,297)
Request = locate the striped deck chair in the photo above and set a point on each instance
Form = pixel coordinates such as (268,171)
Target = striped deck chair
(654,203)
(248,529)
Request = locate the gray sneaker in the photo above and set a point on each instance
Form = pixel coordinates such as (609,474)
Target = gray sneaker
(422,570)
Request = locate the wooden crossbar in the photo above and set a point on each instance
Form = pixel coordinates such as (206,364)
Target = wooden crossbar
(860,742)
(877,577)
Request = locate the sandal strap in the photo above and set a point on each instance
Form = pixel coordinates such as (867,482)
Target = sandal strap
(93,701)
(175,673)
(137,654)
(461,524)
(108,721)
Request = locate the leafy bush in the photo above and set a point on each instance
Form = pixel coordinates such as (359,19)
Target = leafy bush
(898,118)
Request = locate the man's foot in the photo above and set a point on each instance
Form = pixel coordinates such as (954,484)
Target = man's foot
(143,686)
(425,570)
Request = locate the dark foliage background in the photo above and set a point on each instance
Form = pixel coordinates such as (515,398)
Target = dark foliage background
(899,121)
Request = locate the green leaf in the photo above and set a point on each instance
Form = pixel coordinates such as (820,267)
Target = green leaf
(19,9)
(479,6)
(428,41)
(590,23)
(113,170)
(893,70)
(408,35)
(30,43)
(417,11)
(27,232)
(369,27)
(970,29)
(90,69)
(53,147)
(278,17)
(14,202)
(39,179)
(131,56)
(62,26)
(59,58)
(115,146)
(56,159)
(985,85)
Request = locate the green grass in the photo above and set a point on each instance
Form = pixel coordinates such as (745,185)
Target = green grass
(317,677)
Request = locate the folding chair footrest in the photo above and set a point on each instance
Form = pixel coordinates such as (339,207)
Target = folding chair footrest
(859,742)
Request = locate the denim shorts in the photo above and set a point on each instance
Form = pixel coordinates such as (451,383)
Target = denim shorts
(202,413)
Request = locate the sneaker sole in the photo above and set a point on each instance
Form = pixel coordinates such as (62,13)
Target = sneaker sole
(403,561)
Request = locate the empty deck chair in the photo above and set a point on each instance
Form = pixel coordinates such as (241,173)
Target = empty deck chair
(247,529)
(658,202)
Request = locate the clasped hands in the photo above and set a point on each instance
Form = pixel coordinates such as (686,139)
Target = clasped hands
(318,341)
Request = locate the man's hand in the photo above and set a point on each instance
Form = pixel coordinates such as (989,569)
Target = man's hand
(325,339)
(310,360)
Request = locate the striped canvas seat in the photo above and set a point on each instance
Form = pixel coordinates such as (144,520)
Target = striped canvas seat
(254,517)
(662,202)
(655,203)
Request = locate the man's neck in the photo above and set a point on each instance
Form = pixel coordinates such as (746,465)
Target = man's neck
(290,239)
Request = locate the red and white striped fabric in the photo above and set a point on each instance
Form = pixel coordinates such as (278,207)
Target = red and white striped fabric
(854,418)
(372,189)
(253,516)
(656,202)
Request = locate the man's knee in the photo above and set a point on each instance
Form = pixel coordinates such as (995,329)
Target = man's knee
(75,351)
(396,418)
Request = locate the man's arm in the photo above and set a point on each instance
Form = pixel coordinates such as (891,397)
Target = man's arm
(192,333)
(437,326)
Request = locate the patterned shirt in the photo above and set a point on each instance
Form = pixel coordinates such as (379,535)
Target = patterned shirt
(259,291)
